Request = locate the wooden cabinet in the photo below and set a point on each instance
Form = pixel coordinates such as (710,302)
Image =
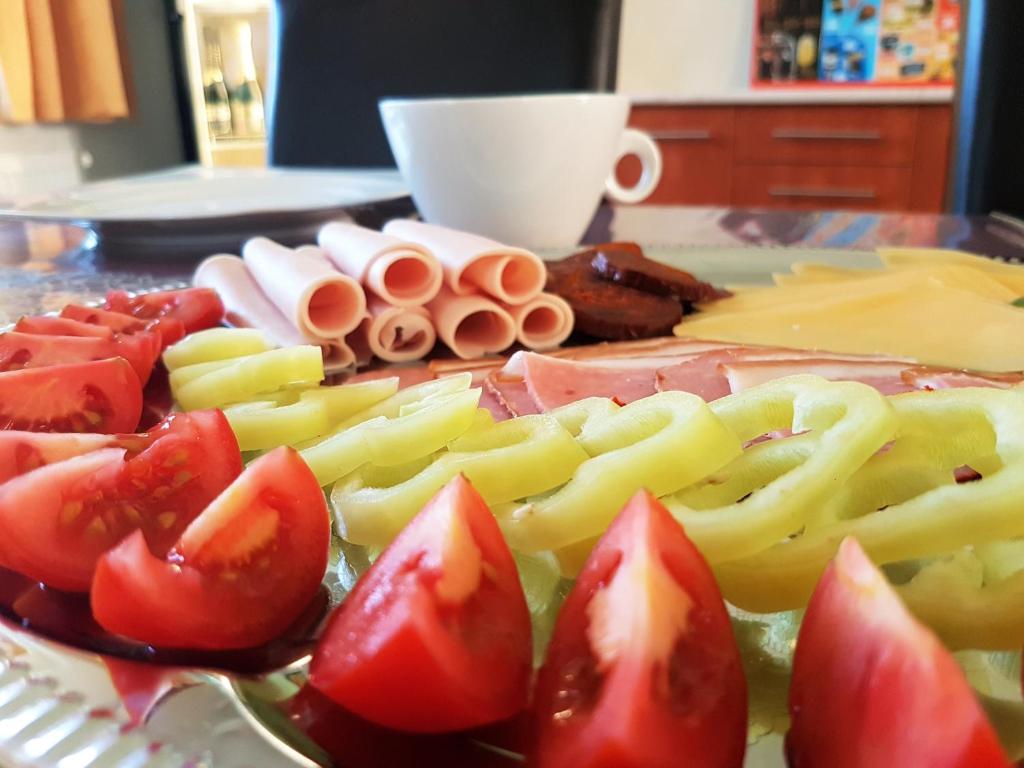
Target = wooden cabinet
(696,150)
(821,186)
(856,157)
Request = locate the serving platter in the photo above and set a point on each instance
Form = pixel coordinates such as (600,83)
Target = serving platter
(190,212)
(59,707)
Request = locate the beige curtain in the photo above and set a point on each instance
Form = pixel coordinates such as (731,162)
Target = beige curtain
(62,61)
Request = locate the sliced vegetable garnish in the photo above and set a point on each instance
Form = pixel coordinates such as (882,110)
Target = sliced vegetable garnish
(58,519)
(940,430)
(30,350)
(244,377)
(662,442)
(643,668)
(851,421)
(102,396)
(46,325)
(196,308)
(872,687)
(436,635)
(312,413)
(215,344)
(968,605)
(239,575)
(21,452)
(512,460)
(421,430)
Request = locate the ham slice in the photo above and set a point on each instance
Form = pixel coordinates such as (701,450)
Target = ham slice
(471,262)
(492,403)
(247,306)
(662,346)
(472,326)
(396,334)
(885,376)
(315,297)
(922,377)
(552,382)
(480,368)
(512,393)
(543,322)
(402,273)
(407,375)
(700,375)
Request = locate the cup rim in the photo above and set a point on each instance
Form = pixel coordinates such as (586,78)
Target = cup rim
(431,101)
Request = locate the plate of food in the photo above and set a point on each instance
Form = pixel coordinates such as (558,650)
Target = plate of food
(610,514)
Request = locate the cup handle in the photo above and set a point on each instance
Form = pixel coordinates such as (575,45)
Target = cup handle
(637,143)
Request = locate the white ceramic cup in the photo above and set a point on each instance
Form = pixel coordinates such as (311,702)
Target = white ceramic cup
(525,170)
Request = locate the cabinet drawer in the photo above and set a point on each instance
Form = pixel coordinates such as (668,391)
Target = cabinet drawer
(811,135)
(696,149)
(786,186)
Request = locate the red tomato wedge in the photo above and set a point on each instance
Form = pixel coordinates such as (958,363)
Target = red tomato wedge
(436,635)
(873,687)
(58,519)
(115,321)
(101,396)
(170,330)
(28,350)
(21,452)
(643,668)
(240,574)
(61,326)
(196,308)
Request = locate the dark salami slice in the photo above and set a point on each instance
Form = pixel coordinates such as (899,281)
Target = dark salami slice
(625,264)
(607,310)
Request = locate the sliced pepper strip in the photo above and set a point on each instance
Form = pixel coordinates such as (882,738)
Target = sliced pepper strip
(414,432)
(949,595)
(511,460)
(850,422)
(243,377)
(267,423)
(662,442)
(943,429)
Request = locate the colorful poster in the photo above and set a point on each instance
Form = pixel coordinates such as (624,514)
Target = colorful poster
(849,40)
(876,42)
(918,41)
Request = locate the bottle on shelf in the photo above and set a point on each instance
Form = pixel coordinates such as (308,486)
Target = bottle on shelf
(807,43)
(783,40)
(215,93)
(245,94)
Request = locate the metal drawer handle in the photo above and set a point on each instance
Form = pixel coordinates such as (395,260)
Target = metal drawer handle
(811,134)
(698,134)
(852,194)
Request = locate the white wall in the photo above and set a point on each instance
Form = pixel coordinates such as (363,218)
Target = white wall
(36,159)
(685,47)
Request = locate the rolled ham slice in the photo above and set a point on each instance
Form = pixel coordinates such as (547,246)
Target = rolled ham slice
(471,262)
(472,326)
(309,291)
(397,334)
(247,306)
(543,322)
(404,274)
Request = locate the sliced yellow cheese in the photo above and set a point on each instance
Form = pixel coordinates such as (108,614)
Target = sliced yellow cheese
(987,283)
(926,320)
(1011,275)
(875,283)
